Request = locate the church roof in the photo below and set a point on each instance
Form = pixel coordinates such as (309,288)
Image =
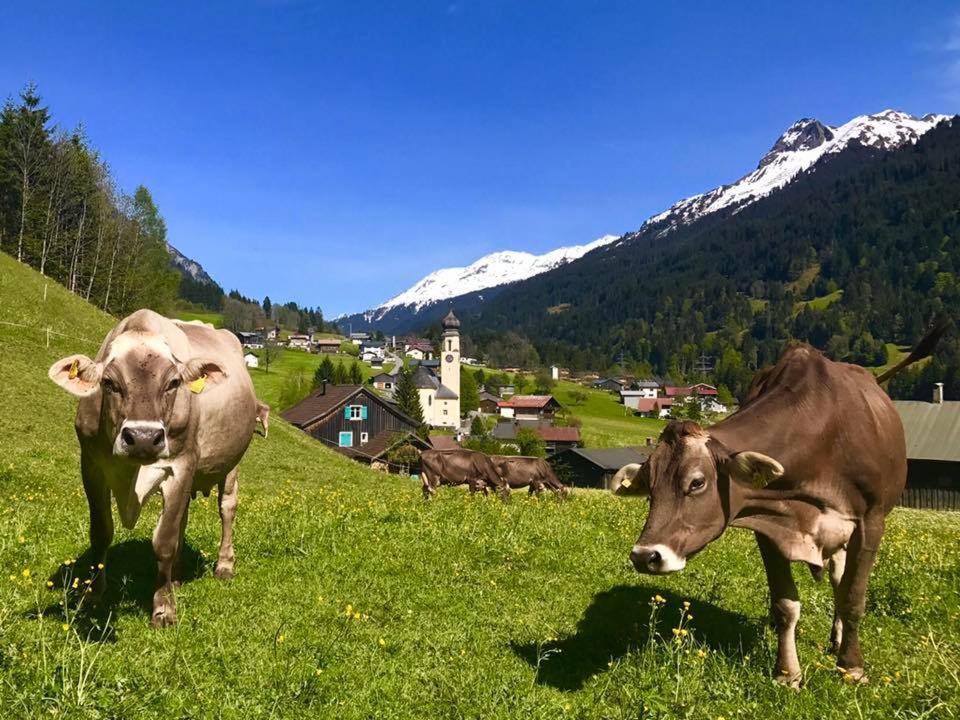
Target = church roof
(445,393)
(450,322)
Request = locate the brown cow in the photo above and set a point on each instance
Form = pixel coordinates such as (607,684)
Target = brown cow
(459,467)
(535,473)
(166,406)
(812,463)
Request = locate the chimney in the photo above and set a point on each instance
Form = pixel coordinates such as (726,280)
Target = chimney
(938,393)
(323,387)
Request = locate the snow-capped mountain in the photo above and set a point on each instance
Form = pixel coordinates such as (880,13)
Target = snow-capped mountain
(187,266)
(804,144)
(492,270)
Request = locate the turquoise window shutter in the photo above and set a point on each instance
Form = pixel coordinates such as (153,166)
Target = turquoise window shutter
(346,413)
(363,412)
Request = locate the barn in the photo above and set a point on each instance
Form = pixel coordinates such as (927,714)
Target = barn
(932,431)
(595,467)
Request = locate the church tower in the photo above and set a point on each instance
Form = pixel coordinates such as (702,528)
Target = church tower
(450,362)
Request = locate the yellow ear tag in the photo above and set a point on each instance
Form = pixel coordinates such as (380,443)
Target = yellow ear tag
(625,483)
(74,369)
(197,385)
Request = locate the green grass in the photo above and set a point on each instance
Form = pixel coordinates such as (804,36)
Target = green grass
(485,610)
(819,303)
(215,319)
(606,423)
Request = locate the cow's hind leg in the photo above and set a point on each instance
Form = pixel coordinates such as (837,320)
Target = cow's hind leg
(227,496)
(101,522)
(861,554)
(837,563)
(785,609)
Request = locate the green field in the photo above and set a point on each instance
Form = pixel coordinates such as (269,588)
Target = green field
(355,599)
(606,423)
(215,319)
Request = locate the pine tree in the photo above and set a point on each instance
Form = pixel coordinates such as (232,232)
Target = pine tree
(340,374)
(407,395)
(267,306)
(356,374)
(469,395)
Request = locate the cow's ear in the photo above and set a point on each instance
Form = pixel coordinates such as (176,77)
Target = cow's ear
(753,468)
(199,373)
(77,374)
(632,479)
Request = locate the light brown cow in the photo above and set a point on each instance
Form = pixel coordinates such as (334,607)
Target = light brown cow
(812,463)
(166,406)
(519,471)
(459,467)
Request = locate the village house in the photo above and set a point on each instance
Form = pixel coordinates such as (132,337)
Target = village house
(932,432)
(503,389)
(251,360)
(358,338)
(489,403)
(595,467)
(299,342)
(252,340)
(529,407)
(613,385)
(653,407)
(355,421)
(330,346)
(385,382)
(555,439)
(419,350)
(705,394)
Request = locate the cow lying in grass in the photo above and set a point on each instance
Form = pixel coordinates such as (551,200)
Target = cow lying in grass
(166,406)
(812,462)
(459,467)
(534,473)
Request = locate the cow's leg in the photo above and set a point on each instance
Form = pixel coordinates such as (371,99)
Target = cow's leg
(785,609)
(227,496)
(861,554)
(426,485)
(166,545)
(101,521)
(178,557)
(837,563)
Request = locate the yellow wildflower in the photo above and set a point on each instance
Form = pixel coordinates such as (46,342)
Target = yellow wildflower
(280,639)
(26,573)
(382,642)
(65,627)
(99,566)
(686,604)
(49,583)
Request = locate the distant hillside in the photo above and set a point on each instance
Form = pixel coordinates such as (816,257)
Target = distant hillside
(881,226)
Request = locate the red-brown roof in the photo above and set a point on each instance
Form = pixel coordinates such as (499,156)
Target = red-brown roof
(651,404)
(701,389)
(526,401)
(558,434)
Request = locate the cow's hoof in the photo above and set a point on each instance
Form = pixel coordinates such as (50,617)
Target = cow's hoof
(164,616)
(856,675)
(223,571)
(789,680)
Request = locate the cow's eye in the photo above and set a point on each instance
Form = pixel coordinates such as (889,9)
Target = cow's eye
(173,385)
(698,483)
(110,386)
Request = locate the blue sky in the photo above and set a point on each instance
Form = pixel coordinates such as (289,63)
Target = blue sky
(334,153)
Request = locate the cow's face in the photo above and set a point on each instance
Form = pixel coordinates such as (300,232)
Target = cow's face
(688,479)
(145,393)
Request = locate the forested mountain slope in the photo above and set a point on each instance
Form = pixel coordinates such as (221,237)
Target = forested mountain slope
(859,253)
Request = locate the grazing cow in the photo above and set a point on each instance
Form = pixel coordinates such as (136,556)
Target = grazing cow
(528,472)
(166,406)
(459,467)
(812,463)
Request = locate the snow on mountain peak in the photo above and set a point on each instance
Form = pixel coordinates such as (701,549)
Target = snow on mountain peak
(800,147)
(499,268)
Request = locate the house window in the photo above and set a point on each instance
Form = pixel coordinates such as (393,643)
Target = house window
(355,412)
(445,411)
(363,438)
(346,439)
(429,400)
(449,344)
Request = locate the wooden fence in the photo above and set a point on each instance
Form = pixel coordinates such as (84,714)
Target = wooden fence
(926,498)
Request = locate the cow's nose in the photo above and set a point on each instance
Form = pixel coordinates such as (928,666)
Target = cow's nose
(656,559)
(142,441)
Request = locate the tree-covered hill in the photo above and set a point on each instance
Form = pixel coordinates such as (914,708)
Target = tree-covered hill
(858,254)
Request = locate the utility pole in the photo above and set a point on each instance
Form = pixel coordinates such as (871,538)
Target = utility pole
(704,364)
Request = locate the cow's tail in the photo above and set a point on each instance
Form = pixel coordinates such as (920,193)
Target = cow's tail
(923,349)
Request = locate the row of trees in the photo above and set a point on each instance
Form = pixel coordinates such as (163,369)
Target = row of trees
(62,212)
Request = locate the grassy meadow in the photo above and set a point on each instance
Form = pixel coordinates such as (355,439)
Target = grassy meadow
(606,423)
(355,599)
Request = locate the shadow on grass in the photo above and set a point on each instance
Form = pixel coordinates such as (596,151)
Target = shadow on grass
(131,571)
(617,622)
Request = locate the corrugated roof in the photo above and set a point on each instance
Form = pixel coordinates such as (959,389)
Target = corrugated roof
(613,458)
(318,404)
(932,429)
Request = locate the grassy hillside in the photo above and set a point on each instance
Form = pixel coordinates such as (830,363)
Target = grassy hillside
(606,423)
(355,599)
